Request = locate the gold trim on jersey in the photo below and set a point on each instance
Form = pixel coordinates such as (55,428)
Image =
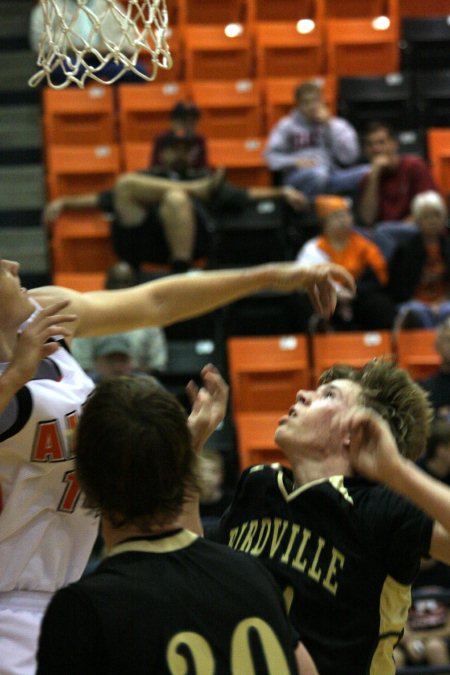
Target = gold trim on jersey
(169,544)
(335,481)
(395,600)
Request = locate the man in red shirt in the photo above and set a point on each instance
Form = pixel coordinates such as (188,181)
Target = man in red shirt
(386,192)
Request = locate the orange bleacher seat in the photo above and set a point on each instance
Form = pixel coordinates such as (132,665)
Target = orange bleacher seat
(352,348)
(80,281)
(438,142)
(216,12)
(243,159)
(81,242)
(255,432)
(136,156)
(144,110)
(266,372)
(211,55)
(79,116)
(279,95)
(176,72)
(410,8)
(229,108)
(416,352)
(355,9)
(283,52)
(81,168)
(354,47)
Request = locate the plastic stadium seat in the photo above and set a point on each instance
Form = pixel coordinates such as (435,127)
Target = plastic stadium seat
(80,281)
(386,97)
(433,97)
(212,12)
(255,432)
(81,242)
(355,9)
(175,72)
(79,116)
(81,168)
(211,55)
(354,47)
(243,159)
(254,234)
(411,8)
(266,372)
(229,108)
(144,110)
(186,358)
(438,142)
(136,156)
(353,348)
(416,352)
(281,51)
(279,95)
(425,42)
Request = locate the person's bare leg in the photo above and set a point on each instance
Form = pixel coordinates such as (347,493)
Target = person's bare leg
(179,223)
(134,193)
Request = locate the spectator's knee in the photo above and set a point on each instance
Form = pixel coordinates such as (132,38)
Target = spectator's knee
(176,199)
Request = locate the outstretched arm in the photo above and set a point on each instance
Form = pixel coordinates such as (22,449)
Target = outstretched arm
(179,297)
(78,202)
(374,453)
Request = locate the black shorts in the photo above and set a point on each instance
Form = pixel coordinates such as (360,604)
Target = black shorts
(148,243)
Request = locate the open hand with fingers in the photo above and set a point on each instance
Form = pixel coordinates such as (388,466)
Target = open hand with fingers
(32,344)
(209,405)
(319,281)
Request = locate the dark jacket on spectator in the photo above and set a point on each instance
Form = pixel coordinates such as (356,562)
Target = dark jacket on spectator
(406,266)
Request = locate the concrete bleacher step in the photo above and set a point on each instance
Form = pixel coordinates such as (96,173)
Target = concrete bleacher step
(22,187)
(20,126)
(17,67)
(28,245)
(14,22)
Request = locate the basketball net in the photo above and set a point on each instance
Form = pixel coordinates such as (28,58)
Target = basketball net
(80,37)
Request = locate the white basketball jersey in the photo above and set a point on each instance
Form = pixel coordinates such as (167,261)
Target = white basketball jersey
(46,535)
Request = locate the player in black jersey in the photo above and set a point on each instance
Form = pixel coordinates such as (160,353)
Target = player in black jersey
(164,600)
(344,549)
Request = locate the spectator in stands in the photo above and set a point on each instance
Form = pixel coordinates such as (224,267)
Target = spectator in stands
(214,496)
(314,151)
(181,152)
(438,385)
(340,242)
(436,460)
(420,276)
(386,192)
(83,31)
(157,219)
(147,347)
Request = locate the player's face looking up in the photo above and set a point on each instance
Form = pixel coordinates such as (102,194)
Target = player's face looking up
(14,301)
(308,428)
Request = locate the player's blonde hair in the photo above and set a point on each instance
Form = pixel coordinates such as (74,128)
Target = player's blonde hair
(394,395)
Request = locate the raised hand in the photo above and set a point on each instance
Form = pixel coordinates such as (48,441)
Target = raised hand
(209,405)
(318,281)
(372,447)
(32,345)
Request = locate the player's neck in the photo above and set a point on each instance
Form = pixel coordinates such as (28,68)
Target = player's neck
(115,535)
(306,470)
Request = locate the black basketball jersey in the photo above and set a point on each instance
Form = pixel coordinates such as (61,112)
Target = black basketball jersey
(344,552)
(165,605)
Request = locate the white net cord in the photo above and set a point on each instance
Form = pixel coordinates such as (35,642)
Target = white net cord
(81,38)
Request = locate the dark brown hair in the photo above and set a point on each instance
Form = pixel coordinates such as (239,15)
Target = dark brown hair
(134,453)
